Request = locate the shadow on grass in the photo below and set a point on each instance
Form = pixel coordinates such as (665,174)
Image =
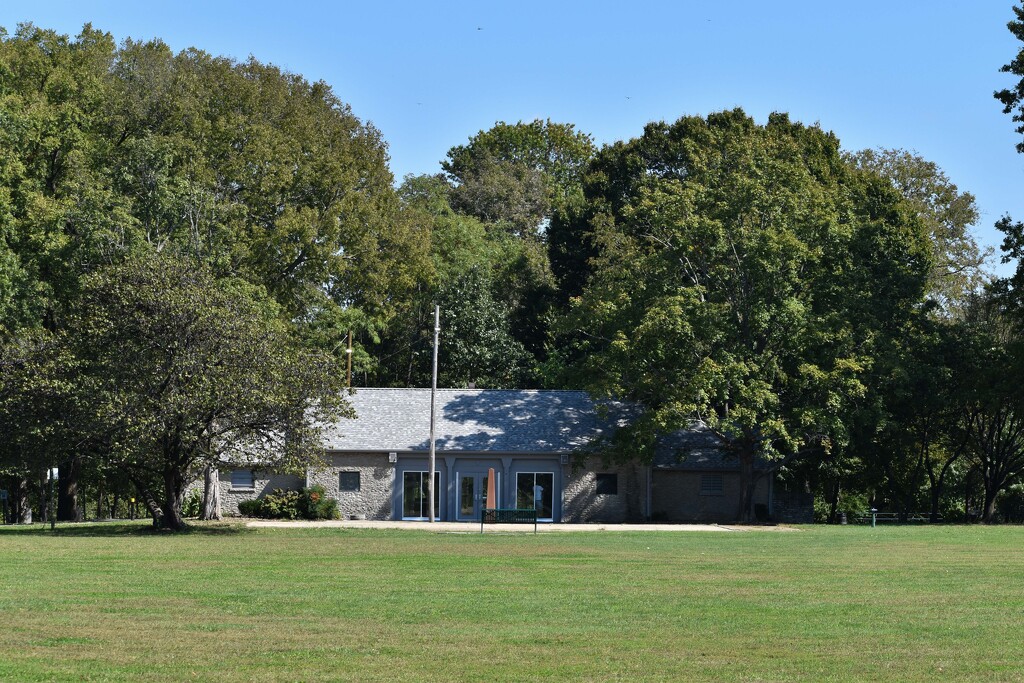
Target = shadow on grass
(142,528)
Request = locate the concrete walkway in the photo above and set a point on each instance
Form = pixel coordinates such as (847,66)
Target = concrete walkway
(474,527)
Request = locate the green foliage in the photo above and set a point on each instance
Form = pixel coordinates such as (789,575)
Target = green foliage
(516,175)
(185,369)
(192,505)
(314,504)
(735,281)
(947,213)
(1012,99)
(251,508)
(310,503)
(478,344)
(282,504)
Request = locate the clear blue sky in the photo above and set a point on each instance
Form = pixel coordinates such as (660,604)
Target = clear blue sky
(899,73)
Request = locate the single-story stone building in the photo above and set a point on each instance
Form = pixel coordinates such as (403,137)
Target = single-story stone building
(535,442)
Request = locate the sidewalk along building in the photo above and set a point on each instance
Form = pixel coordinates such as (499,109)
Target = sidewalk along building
(535,442)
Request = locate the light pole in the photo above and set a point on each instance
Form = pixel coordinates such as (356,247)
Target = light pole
(348,352)
(433,392)
(52,511)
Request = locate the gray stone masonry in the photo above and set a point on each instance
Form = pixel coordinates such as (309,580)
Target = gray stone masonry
(373,500)
(265,482)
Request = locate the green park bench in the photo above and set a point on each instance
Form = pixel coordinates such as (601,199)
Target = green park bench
(508,516)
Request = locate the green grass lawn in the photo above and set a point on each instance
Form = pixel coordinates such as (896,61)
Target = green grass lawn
(232,604)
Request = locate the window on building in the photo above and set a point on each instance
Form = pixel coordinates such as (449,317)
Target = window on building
(607,484)
(242,479)
(536,490)
(711,485)
(348,481)
(415,500)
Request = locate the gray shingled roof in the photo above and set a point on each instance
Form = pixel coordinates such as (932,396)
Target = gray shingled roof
(696,448)
(490,420)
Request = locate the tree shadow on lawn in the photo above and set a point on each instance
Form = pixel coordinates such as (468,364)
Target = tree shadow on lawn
(116,528)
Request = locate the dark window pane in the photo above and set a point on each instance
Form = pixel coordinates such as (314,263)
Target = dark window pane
(411,494)
(544,494)
(414,495)
(607,484)
(524,490)
(348,481)
(242,479)
(466,494)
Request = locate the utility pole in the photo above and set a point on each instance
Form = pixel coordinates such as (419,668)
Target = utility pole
(348,352)
(433,393)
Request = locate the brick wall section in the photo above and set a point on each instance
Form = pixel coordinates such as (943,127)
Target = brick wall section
(793,507)
(676,497)
(582,504)
(376,484)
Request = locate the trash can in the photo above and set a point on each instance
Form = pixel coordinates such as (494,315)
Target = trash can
(842,518)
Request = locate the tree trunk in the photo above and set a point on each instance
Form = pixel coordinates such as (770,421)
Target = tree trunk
(150,501)
(99,499)
(989,515)
(44,498)
(69,508)
(746,512)
(833,504)
(174,488)
(933,514)
(24,508)
(211,493)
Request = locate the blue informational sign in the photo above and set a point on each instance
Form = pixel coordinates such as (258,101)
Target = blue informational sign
(3,494)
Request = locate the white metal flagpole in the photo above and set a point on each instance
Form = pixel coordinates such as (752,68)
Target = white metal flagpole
(433,392)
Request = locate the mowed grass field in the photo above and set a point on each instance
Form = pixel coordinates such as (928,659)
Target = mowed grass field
(225,603)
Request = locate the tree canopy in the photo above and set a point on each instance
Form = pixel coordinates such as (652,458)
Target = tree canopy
(735,281)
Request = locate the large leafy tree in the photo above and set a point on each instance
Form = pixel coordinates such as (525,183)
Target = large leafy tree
(736,282)
(111,151)
(516,175)
(254,170)
(186,370)
(515,178)
(475,276)
(958,263)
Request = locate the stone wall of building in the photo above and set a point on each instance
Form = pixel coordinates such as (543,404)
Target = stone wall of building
(374,499)
(263,483)
(583,503)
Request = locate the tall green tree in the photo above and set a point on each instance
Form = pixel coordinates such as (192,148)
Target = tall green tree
(518,174)
(476,274)
(958,263)
(736,283)
(108,152)
(515,178)
(187,370)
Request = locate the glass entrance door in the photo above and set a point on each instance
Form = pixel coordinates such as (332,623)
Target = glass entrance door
(415,500)
(535,490)
(472,496)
